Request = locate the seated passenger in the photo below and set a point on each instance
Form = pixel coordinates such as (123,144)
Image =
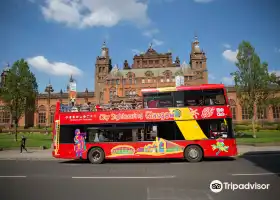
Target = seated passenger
(101,137)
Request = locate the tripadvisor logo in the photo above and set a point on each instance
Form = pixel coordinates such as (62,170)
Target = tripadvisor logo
(217,186)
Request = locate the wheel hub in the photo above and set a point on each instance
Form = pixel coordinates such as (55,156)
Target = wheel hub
(193,153)
(96,156)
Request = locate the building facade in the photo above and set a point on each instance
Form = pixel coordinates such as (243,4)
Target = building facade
(113,85)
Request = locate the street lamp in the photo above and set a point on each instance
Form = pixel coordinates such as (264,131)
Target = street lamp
(49,89)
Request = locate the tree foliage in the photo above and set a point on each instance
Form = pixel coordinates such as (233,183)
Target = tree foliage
(19,90)
(253,82)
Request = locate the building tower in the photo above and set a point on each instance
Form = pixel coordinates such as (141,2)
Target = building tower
(72,91)
(103,66)
(198,61)
(3,75)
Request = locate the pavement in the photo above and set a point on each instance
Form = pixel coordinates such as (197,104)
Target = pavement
(47,154)
(157,180)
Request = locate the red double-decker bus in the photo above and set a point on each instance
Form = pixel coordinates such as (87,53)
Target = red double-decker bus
(176,122)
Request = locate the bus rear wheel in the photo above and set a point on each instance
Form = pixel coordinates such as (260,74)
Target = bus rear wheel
(96,155)
(193,153)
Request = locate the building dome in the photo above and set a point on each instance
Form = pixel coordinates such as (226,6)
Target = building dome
(197,49)
(103,53)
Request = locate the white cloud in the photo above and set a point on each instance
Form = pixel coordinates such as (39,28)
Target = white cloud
(156,42)
(135,51)
(53,68)
(230,55)
(203,1)
(211,76)
(228,80)
(277,72)
(90,13)
(151,32)
(227,46)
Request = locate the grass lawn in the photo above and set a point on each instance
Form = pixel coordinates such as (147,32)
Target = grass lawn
(266,136)
(33,140)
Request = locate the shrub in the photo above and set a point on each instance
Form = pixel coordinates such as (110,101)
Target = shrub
(241,128)
(278,127)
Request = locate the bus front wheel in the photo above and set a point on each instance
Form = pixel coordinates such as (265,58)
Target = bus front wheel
(96,155)
(193,153)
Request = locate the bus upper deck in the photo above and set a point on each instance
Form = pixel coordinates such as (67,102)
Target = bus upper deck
(184,96)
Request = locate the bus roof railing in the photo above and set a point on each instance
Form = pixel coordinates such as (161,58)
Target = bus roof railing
(91,108)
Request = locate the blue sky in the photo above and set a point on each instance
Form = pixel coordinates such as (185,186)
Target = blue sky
(59,37)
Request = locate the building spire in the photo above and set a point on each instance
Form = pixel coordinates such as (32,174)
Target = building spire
(104,45)
(71,79)
(104,50)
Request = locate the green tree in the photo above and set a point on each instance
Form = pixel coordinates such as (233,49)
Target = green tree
(252,81)
(19,91)
(274,100)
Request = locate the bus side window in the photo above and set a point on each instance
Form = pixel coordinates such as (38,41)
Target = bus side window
(166,130)
(193,98)
(214,97)
(158,100)
(149,133)
(178,99)
(100,135)
(67,133)
(91,134)
(123,135)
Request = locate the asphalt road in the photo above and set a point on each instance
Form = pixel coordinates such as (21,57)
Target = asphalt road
(173,180)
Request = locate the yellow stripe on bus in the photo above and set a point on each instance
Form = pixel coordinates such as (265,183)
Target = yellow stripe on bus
(166,89)
(188,126)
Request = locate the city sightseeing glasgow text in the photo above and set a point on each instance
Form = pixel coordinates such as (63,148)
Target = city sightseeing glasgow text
(148,115)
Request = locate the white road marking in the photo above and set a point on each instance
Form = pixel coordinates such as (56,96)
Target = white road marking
(125,177)
(258,174)
(182,163)
(12,176)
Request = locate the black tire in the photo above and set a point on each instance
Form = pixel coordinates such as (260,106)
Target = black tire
(96,155)
(193,153)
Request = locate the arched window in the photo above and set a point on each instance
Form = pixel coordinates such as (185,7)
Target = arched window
(245,113)
(232,104)
(42,115)
(276,112)
(4,116)
(112,92)
(168,75)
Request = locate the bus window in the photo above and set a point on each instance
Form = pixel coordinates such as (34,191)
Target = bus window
(149,133)
(92,134)
(166,130)
(193,98)
(214,97)
(123,135)
(100,134)
(158,100)
(218,128)
(179,99)
(67,133)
